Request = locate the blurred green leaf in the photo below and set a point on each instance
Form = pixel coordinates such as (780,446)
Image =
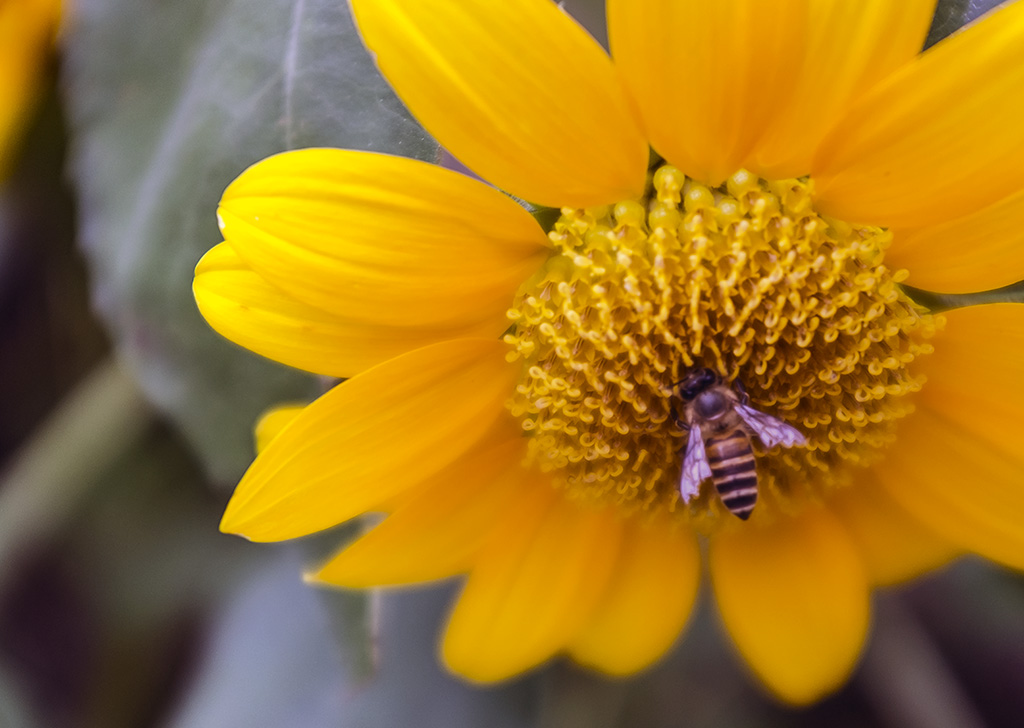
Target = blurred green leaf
(906,676)
(147,549)
(13,711)
(950,15)
(974,612)
(101,602)
(271,663)
(168,102)
(573,697)
(41,490)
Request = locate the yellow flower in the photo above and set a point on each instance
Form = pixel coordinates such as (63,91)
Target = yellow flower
(27,30)
(510,393)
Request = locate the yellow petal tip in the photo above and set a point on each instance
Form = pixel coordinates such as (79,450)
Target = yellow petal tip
(231,525)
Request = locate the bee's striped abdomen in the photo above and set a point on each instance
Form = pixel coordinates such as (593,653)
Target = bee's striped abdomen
(734,472)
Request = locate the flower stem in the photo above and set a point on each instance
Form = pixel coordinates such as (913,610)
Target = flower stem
(573,698)
(906,678)
(44,482)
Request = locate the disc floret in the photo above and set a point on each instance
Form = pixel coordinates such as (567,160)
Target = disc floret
(746,279)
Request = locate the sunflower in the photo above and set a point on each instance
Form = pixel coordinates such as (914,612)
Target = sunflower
(510,398)
(27,29)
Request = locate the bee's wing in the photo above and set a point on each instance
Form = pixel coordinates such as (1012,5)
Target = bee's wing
(695,466)
(772,431)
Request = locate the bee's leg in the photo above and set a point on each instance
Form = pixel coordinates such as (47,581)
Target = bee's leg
(680,422)
(741,391)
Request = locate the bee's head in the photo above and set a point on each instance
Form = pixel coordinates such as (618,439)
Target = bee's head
(696,382)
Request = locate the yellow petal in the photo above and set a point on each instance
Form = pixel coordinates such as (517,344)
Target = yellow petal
(976,375)
(536,582)
(27,29)
(371,437)
(240,305)
(937,140)
(894,545)
(438,532)
(517,91)
(794,598)
(273,421)
(977,252)
(958,463)
(848,48)
(648,601)
(960,484)
(381,240)
(708,76)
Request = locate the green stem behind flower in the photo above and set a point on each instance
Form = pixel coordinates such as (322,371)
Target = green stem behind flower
(43,484)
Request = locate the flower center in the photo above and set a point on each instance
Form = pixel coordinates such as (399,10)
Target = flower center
(746,280)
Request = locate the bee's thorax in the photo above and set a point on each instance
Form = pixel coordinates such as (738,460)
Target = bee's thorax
(711,404)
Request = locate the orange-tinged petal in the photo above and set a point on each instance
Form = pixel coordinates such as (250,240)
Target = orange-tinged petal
(894,545)
(517,91)
(371,437)
(242,306)
(848,48)
(27,29)
(536,582)
(381,240)
(708,76)
(960,484)
(958,463)
(794,598)
(937,140)
(273,421)
(976,374)
(437,532)
(647,603)
(977,252)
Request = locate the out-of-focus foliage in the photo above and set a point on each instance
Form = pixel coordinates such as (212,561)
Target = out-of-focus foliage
(950,15)
(168,102)
(293,677)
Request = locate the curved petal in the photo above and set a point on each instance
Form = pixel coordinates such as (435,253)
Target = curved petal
(381,240)
(648,601)
(958,465)
(976,374)
(371,437)
(937,140)
(707,75)
(537,580)
(849,47)
(516,91)
(437,532)
(977,252)
(794,597)
(273,421)
(893,545)
(241,306)
(27,29)
(742,83)
(960,485)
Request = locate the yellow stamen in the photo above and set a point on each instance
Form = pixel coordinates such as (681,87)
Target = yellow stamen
(746,279)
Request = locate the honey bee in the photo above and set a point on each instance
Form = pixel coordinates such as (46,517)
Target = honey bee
(721,425)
